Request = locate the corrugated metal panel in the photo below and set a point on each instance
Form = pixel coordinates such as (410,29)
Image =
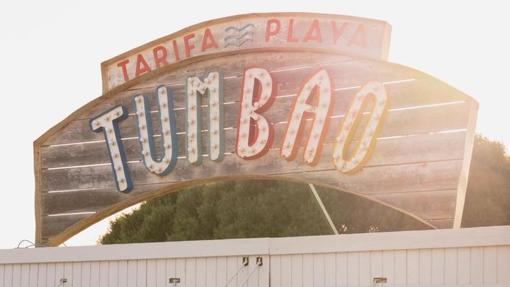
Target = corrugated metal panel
(482,258)
(474,266)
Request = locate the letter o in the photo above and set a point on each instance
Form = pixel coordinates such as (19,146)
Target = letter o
(350,123)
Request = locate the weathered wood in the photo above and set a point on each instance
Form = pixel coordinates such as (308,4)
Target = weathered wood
(359,37)
(371,182)
(434,204)
(398,123)
(419,153)
(347,75)
(101,175)
(390,152)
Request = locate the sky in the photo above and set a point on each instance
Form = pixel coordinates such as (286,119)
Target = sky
(51,52)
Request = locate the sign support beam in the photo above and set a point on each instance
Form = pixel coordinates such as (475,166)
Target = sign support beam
(323,208)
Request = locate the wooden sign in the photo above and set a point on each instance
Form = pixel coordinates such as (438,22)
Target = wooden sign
(289,31)
(382,131)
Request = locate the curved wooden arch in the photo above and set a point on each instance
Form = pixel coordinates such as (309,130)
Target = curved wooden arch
(419,163)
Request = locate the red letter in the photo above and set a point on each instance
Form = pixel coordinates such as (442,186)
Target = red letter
(141,66)
(359,37)
(337,32)
(290,35)
(254,133)
(271,32)
(313,98)
(314,32)
(208,40)
(160,59)
(176,50)
(187,45)
(124,69)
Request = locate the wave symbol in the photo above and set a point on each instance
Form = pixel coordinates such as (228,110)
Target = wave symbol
(238,36)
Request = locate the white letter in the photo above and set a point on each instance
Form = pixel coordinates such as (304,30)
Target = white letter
(168,133)
(319,85)
(194,87)
(108,123)
(350,123)
(253,140)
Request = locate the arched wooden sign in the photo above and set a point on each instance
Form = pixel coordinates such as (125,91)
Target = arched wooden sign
(337,118)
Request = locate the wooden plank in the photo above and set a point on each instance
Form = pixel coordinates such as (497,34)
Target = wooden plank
(400,96)
(416,181)
(370,182)
(102,176)
(57,224)
(431,204)
(376,46)
(358,71)
(96,153)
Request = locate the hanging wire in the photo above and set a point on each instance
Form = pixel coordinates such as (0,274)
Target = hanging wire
(249,275)
(234,276)
(28,246)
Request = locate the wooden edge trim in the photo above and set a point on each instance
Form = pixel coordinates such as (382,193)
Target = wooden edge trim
(38,194)
(468,152)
